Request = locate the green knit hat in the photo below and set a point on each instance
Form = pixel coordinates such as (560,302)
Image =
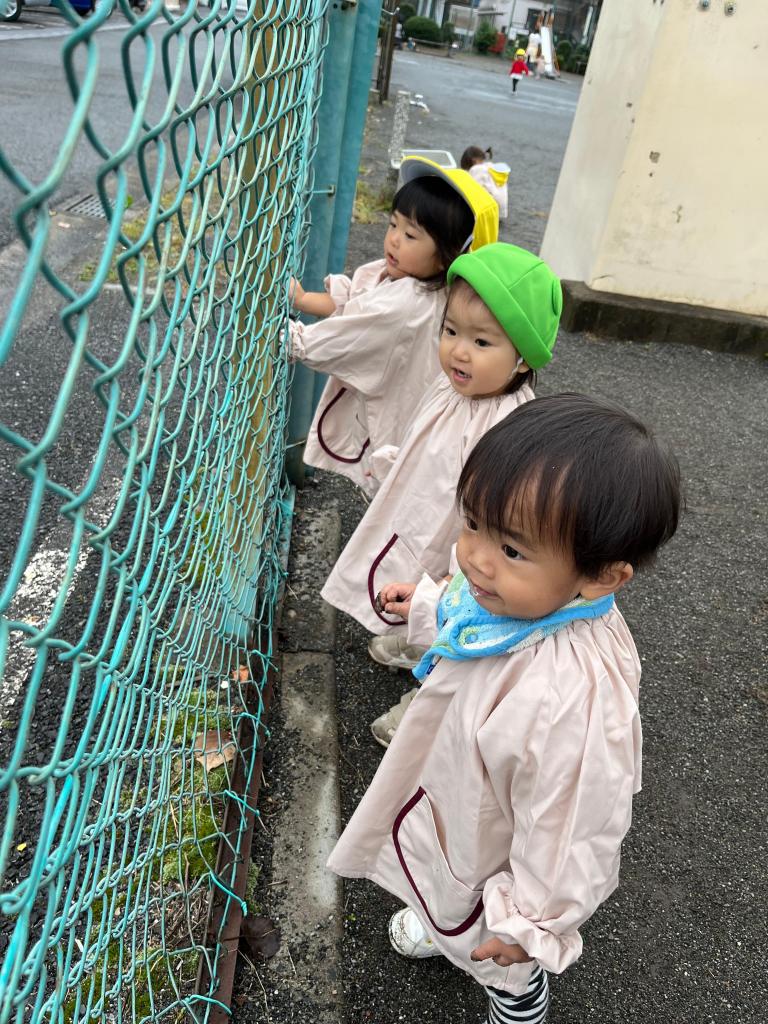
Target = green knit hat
(522,293)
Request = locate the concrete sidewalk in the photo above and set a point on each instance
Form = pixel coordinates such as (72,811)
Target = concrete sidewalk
(681,940)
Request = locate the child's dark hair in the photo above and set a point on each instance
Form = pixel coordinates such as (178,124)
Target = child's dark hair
(438,208)
(474,155)
(582,473)
(459,284)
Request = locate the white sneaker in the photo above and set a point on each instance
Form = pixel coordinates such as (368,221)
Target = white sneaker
(408,936)
(393,651)
(385,726)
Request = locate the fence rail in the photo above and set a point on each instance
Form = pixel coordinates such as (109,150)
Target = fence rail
(146,501)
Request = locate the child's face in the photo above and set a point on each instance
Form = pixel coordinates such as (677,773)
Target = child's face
(409,250)
(475,353)
(517,573)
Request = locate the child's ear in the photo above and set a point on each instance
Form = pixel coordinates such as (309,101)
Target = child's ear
(611,578)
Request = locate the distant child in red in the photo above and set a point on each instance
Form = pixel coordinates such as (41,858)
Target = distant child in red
(518,69)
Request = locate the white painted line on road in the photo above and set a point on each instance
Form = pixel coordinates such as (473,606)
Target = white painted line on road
(10,36)
(40,585)
(539,103)
(405,60)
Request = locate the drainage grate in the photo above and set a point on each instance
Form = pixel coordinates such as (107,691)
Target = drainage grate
(86,206)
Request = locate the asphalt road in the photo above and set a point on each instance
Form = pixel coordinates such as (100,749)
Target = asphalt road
(37,112)
(37,106)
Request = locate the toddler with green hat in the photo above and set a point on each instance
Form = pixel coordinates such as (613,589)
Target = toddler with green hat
(499,328)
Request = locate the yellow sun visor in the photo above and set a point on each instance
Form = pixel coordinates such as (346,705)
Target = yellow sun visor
(499,173)
(483,206)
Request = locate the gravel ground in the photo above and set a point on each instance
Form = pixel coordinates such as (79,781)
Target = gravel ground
(680,938)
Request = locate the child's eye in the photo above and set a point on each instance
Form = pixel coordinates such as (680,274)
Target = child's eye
(482,343)
(510,552)
(409,235)
(449,331)
(471,524)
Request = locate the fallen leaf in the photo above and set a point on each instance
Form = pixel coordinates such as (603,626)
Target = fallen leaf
(21,847)
(213,749)
(260,936)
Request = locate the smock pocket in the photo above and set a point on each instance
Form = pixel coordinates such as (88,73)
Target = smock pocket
(451,907)
(394,563)
(339,429)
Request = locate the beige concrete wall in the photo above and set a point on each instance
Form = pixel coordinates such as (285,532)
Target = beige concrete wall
(664,187)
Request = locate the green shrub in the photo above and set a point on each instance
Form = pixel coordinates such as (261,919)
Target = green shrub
(422,28)
(564,49)
(405,12)
(447,33)
(485,37)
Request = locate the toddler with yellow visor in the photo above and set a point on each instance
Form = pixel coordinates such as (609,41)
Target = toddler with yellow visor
(378,338)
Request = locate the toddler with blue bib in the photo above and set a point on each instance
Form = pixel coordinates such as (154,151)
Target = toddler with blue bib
(499,809)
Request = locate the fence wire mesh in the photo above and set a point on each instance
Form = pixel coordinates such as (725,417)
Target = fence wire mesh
(143,496)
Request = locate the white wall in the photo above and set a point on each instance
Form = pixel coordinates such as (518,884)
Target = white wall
(663,192)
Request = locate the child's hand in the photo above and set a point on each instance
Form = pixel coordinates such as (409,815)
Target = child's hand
(502,953)
(395,598)
(296,294)
(311,303)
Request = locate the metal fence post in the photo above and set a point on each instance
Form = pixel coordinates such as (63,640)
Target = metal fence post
(366,30)
(347,68)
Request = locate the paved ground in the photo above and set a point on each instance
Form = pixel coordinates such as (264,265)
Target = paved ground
(35,97)
(682,939)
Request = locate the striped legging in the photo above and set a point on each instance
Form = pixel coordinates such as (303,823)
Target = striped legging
(530,1007)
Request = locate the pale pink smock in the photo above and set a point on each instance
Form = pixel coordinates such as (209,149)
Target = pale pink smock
(380,347)
(413,521)
(500,806)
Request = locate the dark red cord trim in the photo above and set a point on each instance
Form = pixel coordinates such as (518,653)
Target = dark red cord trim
(449,932)
(372,584)
(328,451)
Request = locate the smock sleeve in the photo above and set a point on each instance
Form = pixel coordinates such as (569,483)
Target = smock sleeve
(570,792)
(422,620)
(382,460)
(339,287)
(355,346)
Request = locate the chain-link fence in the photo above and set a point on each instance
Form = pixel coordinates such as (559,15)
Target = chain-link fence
(143,505)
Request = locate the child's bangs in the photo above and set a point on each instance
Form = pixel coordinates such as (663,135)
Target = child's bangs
(526,497)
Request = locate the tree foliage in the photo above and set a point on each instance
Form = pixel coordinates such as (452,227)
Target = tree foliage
(422,28)
(485,37)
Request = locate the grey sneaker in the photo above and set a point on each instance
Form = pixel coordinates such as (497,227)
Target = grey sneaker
(393,651)
(408,937)
(383,727)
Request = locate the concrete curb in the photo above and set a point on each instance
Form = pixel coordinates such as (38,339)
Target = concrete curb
(307,897)
(630,318)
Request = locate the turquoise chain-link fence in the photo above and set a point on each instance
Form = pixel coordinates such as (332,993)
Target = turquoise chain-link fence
(143,500)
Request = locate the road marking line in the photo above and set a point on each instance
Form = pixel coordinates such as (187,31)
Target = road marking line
(53,33)
(40,585)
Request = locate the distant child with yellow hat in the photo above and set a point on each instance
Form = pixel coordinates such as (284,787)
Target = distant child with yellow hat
(499,327)
(518,69)
(378,341)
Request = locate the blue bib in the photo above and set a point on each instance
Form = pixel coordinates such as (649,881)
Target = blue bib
(467,630)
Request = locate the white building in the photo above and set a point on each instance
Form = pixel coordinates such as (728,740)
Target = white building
(662,193)
(575,19)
